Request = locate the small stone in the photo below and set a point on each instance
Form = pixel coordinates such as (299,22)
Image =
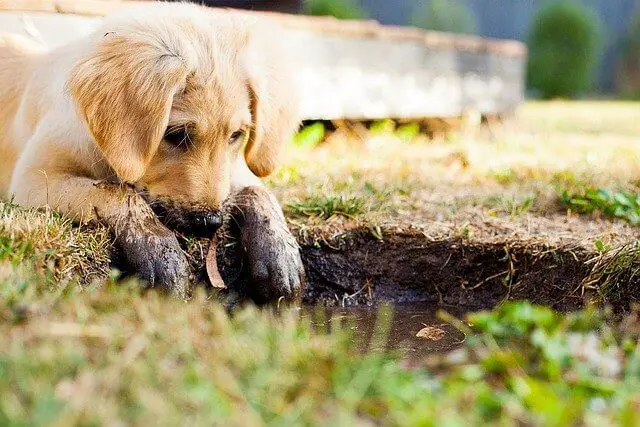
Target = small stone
(431,333)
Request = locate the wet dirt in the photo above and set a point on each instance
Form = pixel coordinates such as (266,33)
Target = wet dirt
(408,268)
(350,277)
(359,270)
(395,328)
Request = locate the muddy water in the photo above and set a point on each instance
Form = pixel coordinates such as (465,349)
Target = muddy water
(412,329)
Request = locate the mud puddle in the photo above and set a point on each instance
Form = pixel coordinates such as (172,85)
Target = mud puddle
(412,329)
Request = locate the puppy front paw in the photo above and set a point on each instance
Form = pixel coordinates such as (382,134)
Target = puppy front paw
(275,267)
(154,255)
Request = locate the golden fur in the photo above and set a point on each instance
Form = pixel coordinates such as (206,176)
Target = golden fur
(97,110)
(166,109)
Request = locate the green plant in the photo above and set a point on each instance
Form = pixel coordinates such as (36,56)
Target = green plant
(341,9)
(108,353)
(381,127)
(623,205)
(327,206)
(564,48)
(310,136)
(514,206)
(452,16)
(408,131)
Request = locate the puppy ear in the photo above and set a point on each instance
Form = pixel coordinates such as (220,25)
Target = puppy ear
(124,90)
(274,106)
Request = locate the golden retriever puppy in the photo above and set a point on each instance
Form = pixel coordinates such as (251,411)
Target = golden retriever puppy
(157,119)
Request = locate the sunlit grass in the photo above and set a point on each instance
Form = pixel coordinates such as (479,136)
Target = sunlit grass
(78,346)
(326,207)
(51,241)
(588,117)
(110,355)
(467,176)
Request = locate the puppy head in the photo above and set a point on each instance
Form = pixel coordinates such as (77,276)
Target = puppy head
(172,101)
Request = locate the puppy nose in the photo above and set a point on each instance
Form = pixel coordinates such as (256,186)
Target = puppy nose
(205,224)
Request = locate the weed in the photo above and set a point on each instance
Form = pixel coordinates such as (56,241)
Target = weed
(615,273)
(408,131)
(382,127)
(601,247)
(623,205)
(465,231)
(376,231)
(504,176)
(310,136)
(327,206)
(513,206)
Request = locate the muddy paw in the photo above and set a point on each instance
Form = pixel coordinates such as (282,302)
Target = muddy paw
(274,263)
(154,255)
(275,267)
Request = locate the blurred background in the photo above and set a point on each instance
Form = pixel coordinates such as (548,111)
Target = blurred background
(577,48)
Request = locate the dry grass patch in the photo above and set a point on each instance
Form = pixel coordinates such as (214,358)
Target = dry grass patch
(53,245)
(508,182)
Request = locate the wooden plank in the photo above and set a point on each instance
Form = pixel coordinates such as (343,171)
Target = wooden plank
(344,69)
(322,24)
(377,78)
(78,7)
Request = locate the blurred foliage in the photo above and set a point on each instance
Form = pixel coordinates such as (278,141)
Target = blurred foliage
(408,132)
(565,43)
(623,205)
(629,76)
(452,16)
(310,136)
(108,354)
(341,9)
(382,127)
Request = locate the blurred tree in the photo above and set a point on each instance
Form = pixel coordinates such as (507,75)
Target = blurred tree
(342,9)
(629,76)
(565,44)
(452,16)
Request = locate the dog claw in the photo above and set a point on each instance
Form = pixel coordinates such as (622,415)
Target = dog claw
(157,259)
(274,263)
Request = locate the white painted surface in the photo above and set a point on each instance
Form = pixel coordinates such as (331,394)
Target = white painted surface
(50,29)
(356,78)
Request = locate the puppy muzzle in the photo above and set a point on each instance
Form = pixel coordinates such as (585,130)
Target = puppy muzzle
(188,220)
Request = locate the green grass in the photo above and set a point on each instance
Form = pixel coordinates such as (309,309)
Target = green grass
(327,206)
(79,346)
(623,205)
(350,198)
(310,136)
(48,242)
(514,206)
(109,355)
(74,353)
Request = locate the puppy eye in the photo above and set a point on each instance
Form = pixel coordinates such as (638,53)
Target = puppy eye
(236,136)
(177,136)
